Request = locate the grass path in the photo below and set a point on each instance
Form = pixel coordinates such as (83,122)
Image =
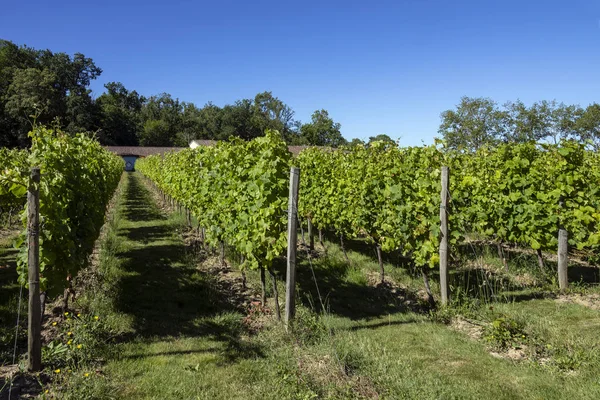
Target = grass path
(184,340)
(178,323)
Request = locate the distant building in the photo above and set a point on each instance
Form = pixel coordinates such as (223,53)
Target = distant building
(295,150)
(197,143)
(131,153)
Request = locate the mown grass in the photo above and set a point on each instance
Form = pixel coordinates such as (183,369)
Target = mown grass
(179,337)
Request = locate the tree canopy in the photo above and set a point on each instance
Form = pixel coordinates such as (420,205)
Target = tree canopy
(481,121)
(55,87)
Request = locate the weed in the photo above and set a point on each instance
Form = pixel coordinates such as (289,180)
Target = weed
(82,340)
(308,327)
(505,332)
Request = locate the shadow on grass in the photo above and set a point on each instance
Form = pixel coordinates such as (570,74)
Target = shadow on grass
(480,283)
(519,259)
(383,324)
(161,288)
(138,201)
(367,249)
(24,386)
(166,353)
(342,296)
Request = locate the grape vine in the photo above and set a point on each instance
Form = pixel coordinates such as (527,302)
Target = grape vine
(78,178)
(237,190)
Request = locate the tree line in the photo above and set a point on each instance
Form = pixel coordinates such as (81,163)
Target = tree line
(54,88)
(481,121)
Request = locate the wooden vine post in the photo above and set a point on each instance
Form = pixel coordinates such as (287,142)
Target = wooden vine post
(34,345)
(444,288)
(290,283)
(563,256)
(563,259)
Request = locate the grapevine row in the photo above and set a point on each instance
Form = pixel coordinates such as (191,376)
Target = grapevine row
(237,190)
(78,178)
(389,196)
(513,193)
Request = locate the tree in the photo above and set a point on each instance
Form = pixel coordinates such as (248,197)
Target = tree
(210,119)
(156,133)
(31,92)
(474,123)
(120,120)
(356,142)
(271,113)
(52,86)
(237,120)
(522,124)
(588,125)
(381,138)
(322,131)
(190,124)
(167,110)
(73,104)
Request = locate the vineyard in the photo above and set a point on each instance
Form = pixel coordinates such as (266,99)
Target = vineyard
(175,303)
(388,196)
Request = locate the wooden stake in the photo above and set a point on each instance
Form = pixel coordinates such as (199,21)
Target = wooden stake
(563,259)
(34,344)
(444,288)
(290,284)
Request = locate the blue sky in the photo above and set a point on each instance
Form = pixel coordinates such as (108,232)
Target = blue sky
(377,66)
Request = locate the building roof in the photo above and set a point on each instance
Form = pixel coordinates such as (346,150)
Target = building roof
(140,151)
(295,150)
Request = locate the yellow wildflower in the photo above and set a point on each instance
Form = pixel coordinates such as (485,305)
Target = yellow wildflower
(57,371)
(86,374)
(54,323)
(66,314)
(96,318)
(69,333)
(70,342)
(79,346)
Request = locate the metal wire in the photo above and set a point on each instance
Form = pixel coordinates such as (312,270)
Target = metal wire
(16,338)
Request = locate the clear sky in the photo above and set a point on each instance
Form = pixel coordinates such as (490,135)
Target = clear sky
(377,66)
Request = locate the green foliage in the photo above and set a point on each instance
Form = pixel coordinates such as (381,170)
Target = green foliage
(45,84)
(78,178)
(388,195)
(81,340)
(478,122)
(237,190)
(308,327)
(505,332)
(515,193)
(588,125)
(120,115)
(14,166)
(381,138)
(475,122)
(522,193)
(322,131)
